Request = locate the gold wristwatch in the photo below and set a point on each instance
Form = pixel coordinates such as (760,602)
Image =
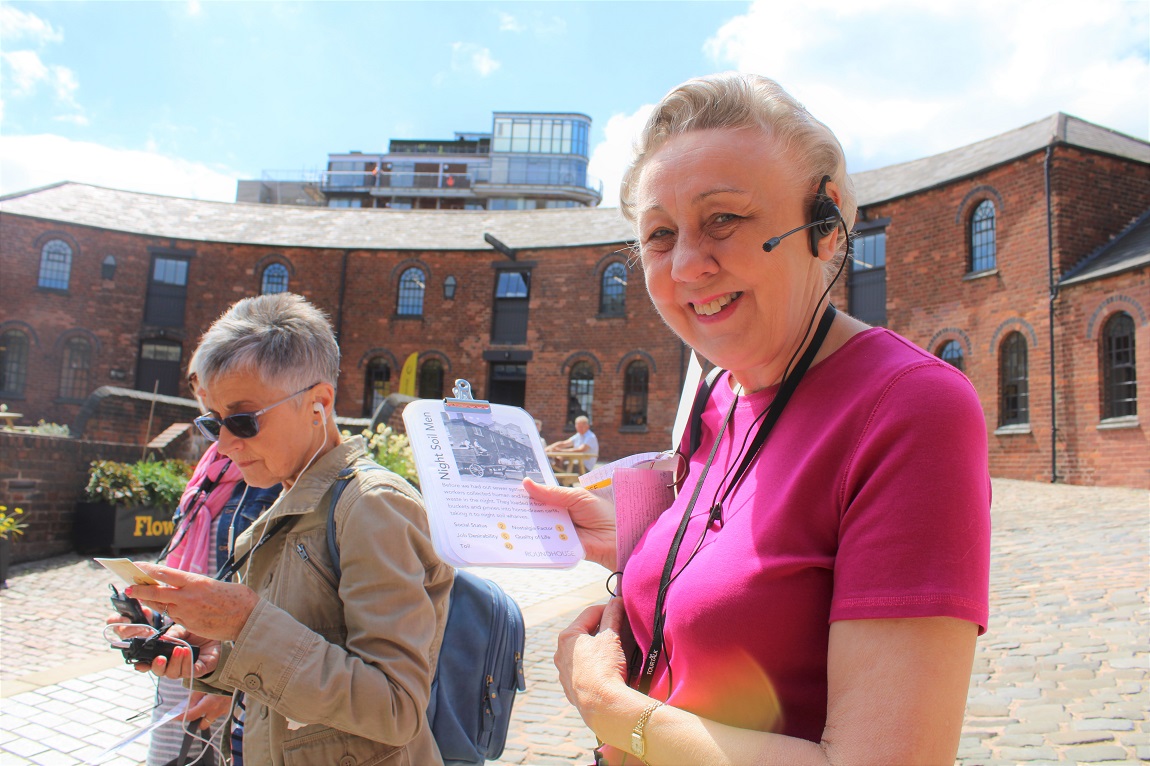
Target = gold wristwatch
(638,743)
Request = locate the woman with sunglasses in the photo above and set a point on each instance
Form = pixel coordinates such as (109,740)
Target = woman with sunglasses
(814,593)
(332,669)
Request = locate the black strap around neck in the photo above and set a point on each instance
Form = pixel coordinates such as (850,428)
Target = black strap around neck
(789,384)
(231,566)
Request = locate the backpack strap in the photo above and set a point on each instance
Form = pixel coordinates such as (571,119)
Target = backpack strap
(341,481)
(702,395)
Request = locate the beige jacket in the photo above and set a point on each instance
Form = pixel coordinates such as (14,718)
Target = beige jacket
(340,678)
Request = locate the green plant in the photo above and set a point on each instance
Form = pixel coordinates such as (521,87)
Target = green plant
(154,483)
(9,523)
(392,450)
(115,483)
(163,481)
(44,428)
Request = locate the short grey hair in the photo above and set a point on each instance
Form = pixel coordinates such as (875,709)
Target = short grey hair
(735,100)
(583,419)
(284,340)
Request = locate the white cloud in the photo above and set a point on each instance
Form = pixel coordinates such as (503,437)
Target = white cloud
(28,162)
(901,79)
(20,25)
(508,23)
(469,56)
(611,156)
(22,71)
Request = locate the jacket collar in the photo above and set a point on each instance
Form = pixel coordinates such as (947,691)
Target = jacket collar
(314,483)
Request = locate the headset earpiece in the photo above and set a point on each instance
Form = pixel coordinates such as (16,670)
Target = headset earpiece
(317,407)
(826,213)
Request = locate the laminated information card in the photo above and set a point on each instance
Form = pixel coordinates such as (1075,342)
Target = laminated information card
(471,457)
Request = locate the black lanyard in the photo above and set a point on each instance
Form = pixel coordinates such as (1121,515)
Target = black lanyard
(231,566)
(775,409)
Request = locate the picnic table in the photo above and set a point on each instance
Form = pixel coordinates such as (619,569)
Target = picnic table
(572,465)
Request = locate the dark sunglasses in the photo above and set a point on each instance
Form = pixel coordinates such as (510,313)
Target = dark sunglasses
(242,425)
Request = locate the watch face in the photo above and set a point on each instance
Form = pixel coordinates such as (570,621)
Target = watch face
(637,744)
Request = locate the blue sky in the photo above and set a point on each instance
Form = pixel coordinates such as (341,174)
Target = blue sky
(184,98)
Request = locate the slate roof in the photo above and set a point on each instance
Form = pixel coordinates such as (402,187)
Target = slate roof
(882,184)
(1129,250)
(345,228)
(288,226)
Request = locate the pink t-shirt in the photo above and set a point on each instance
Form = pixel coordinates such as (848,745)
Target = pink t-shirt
(870,499)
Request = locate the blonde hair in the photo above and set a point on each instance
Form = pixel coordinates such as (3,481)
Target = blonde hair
(734,100)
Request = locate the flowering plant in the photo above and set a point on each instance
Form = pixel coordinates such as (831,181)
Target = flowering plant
(10,524)
(157,483)
(391,450)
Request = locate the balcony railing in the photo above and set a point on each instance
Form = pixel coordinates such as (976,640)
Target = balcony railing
(366,181)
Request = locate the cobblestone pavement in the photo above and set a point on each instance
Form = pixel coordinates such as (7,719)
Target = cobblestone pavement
(1062,675)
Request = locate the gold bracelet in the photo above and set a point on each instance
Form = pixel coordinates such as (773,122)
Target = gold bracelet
(638,743)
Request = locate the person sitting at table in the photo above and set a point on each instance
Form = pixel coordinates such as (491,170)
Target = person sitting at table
(583,440)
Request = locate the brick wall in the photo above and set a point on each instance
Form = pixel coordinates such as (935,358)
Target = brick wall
(1093,450)
(125,416)
(564,322)
(932,298)
(46,476)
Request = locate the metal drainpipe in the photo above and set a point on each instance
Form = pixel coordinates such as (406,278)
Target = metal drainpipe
(1053,296)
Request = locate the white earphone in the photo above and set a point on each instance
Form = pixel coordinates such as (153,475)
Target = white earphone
(317,408)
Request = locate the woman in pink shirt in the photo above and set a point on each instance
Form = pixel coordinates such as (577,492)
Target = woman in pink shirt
(814,594)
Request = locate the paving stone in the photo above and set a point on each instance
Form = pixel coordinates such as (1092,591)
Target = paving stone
(1032,727)
(1017,740)
(25,747)
(1096,753)
(1104,724)
(1028,754)
(1079,737)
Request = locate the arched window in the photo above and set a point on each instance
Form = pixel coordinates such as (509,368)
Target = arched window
(613,291)
(951,353)
(431,379)
(55,264)
(983,246)
(275,279)
(635,394)
(1014,408)
(75,369)
(13,362)
(411,287)
(580,391)
(376,385)
(1119,376)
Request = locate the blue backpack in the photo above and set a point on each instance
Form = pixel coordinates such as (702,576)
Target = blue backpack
(480,661)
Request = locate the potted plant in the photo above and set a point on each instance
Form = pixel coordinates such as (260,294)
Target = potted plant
(10,525)
(129,505)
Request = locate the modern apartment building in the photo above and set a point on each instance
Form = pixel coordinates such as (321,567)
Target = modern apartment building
(528,161)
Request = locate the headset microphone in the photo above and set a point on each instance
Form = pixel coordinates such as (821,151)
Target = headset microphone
(773,242)
(825,218)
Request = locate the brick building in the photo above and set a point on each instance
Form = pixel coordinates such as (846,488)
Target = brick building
(1023,259)
(529,306)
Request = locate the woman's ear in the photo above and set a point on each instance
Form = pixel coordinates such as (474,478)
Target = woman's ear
(829,245)
(324,402)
